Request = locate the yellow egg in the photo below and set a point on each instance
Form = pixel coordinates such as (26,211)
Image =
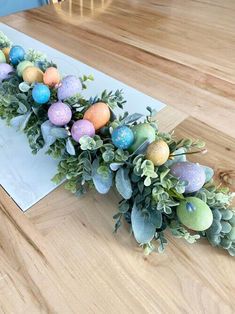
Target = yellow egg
(6,53)
(158,152)
(32,74)
(98,114)
(51,77)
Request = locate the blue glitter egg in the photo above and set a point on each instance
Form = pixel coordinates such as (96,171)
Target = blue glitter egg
(122,137)
(41,93)
(16,55)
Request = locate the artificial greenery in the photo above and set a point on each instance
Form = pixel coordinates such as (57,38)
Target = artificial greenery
(149,194)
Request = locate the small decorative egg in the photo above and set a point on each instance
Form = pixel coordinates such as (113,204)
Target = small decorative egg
(51,77)
(32,75)
(122,137)
(158,152)
(16,54)
(2,57)
(81,128)
(5,69)
(22,66)
(98,114)
(194,214)
(70,86)
(142,132)
(193,173)
(41,93)
(6,52)
(59,113)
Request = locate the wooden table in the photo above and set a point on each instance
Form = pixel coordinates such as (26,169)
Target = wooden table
(61,256)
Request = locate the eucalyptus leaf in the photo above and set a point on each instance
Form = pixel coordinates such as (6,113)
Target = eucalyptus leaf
(123,183)
(142,226)
(22,109)
(131,118)
(114,166)
(141,149)
(20,122)
(59,132)
(24,87)
(209,172)
(69,147)
(48,138)
(102,183)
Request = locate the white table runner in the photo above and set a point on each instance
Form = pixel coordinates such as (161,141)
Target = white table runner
(27,178)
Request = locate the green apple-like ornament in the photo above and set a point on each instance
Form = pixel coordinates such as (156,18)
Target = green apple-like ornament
(194,214)
(142,132)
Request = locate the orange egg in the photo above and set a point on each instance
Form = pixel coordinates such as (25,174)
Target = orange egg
(51,77)
(98,114)
(6,53)
(32,75)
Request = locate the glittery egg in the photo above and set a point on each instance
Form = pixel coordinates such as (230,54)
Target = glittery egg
(122,137)
(6,52)
(2,57)
(22,66)
(51,77)
(5,69)
(33,75)
(193,173)
(142,132)
(194,214)
(81,128)
(41,93)
(98,114)
(16,54)
(70,86)
(158,152)
(59,113)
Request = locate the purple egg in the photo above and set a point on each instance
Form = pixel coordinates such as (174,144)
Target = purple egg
(5,69)
(81,128)
(191,172)
(70,86)
(59,113)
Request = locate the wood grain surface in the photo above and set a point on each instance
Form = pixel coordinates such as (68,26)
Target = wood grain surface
(61,256)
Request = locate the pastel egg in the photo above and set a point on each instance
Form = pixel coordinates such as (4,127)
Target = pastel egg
(98,114)
(22,66)
(2,57)
(70,86)
(194,214)
(193,173)
(158,152)
(5,69)
(16,54)
(81,128)
(6,52)
(32,74)
(59,113)
(51,77)
(41,93)
(122,137)
(142,132)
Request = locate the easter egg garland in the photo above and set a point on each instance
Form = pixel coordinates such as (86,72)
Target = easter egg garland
(159,188)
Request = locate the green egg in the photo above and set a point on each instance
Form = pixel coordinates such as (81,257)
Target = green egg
(2,57)
(194,214)
(142,132)
(22,66)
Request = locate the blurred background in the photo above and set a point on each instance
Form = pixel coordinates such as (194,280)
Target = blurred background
(11,6)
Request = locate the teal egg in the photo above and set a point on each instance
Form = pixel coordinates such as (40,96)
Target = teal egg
(194,214)
(2,57)
(41,93)
(16,55)
(122,137)
(22,66)
(142,132)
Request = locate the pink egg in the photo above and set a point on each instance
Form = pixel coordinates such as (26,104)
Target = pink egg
(81,128)
(59,113)
(5,69)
